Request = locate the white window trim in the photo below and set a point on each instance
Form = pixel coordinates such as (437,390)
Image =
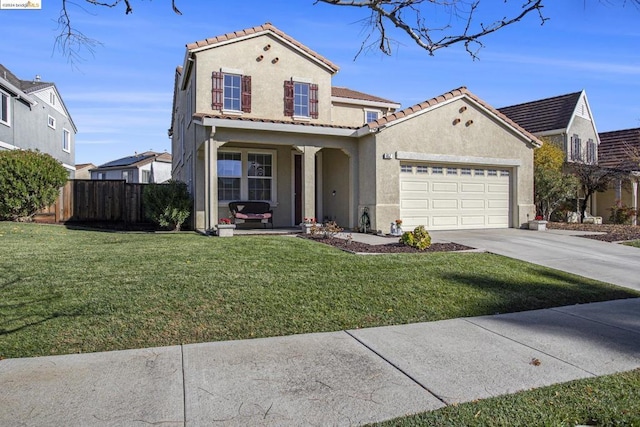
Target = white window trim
(8,122)
(51,122)
(65,131)
(244,179)
(370,110)
(224,74)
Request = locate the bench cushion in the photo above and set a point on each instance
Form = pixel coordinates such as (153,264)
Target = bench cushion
(241,215)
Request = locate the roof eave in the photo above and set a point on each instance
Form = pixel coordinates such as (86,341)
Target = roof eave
(276,127)
(365,102)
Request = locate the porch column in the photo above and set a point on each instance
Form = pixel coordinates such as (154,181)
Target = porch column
(211,180)
(309,180)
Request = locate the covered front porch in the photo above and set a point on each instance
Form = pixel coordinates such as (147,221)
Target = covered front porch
(310,174)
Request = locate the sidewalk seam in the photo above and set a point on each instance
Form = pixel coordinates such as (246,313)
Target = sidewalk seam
(399,369)
(184,387)
(528,346)
(579,316)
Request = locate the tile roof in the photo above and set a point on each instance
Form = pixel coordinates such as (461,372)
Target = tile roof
(26,86)
(461,91)
(257,30)
(617,147)
(343,92)
(544,114)
(256,119)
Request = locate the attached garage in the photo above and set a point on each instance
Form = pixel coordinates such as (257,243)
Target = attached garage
(449,197)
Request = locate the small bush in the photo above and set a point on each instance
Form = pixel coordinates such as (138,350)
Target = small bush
(168,205)
(330,229)
(29,182)
(621,214)
(419,238)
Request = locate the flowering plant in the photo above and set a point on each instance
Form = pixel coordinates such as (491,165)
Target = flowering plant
(398,222)
(225,221)
(309,220)
(538,217)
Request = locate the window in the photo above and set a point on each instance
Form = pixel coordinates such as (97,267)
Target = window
(126,176)
(146,177)
(478,172)
(437,170)
(102,175)
(465,171)
(231,92)
(246,175)
(51,122)
(504,173)
(406,168)
(492,172)
(66,140)
(422,169)
(300,99)
(575,148)
(591,152)
(452,171)
(259,174)
(229,176)
(4,108)
(371,116)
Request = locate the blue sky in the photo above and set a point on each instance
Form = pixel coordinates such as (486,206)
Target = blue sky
(120,98)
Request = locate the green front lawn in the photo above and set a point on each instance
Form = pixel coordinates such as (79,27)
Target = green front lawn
(635,243)
(69,291)
(612,400)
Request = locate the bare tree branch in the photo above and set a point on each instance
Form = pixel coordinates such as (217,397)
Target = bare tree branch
(412,18)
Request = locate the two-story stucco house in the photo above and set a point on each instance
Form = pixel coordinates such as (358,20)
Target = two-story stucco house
(256,117)
(34,117)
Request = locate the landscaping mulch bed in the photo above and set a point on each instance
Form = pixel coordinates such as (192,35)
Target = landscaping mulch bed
(614,232)
(388,248)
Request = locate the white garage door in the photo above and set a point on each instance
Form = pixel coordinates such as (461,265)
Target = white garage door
(453,197)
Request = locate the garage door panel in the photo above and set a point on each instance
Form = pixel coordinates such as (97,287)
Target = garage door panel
(445,204)
(472,187)
(414,186)
(444,187)
(446,201)
(472,204)
(414,204)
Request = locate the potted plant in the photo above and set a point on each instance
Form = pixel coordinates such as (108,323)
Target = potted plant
(538,224)
(225,227)
(396,228)
(307,224)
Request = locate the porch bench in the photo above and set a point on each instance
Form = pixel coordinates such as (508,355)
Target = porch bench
(243,211)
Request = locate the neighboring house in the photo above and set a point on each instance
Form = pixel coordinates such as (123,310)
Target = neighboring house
(83,170)
(620,150)
(565,120)
(255,117)
(144,168)
(34,117)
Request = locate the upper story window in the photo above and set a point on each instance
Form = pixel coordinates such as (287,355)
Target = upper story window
(300,99)
(51,122)
(66,140)
(371,116)
(146,176)
(126,175)
(576,148)
(231,92)
(591,152)
(4,108)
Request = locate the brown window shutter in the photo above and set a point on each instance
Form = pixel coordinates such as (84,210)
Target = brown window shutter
(313,101)
(217,90)
(246,94)
(288,98)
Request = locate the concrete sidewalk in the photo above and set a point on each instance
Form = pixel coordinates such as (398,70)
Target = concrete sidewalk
(340,378)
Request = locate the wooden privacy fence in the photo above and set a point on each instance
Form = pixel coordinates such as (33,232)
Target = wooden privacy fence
(110,201)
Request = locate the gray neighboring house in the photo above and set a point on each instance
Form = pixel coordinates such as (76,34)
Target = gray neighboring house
(143,168)
(34,117)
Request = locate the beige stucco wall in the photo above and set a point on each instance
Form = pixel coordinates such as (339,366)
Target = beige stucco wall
(608,199)
(335,186)
(434,133)
(351,114)
(267,77)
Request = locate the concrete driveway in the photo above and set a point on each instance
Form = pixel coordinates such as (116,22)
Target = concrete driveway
(609,262)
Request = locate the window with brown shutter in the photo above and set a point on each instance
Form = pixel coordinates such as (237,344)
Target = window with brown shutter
(288,98)
(246,94)
(217,90)
(313,101)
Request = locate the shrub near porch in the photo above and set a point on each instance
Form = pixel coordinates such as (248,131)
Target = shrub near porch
(69,291)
